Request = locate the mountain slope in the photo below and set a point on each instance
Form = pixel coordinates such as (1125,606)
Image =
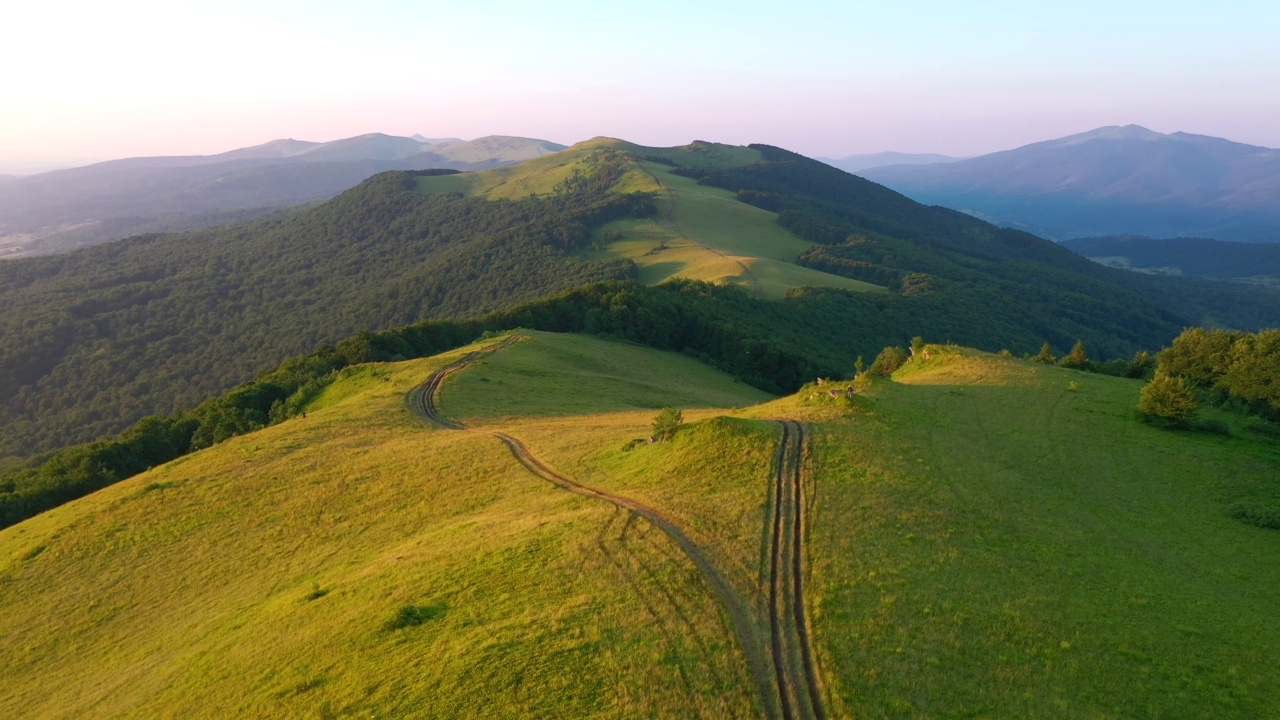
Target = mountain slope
(72,208)
(156,323)
(1111,181)
(501,570)
(699,232)
(973,519)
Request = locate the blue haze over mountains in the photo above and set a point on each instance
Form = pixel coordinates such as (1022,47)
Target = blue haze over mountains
(1110,181)
(65,209)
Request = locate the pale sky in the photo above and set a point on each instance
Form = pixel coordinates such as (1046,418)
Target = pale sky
(99,80)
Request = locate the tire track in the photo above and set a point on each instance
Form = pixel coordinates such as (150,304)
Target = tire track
(796,672)
(422,399)
(740,617)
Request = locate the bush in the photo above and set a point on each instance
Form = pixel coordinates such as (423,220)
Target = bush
(414,615)
(1167,399)
(667,423)
(889,359)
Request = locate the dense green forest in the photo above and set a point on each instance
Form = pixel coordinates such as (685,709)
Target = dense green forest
(93,340)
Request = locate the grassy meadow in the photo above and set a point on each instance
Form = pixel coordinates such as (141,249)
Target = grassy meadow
(987,541)
(358,563)
(987,538)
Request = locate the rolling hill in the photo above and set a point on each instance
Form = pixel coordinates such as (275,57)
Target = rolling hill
(974,537)
(78,207)
(1111,181)
(830,266)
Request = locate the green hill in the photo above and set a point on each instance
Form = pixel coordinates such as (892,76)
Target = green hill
(984,536)
(699,232)
(92,341)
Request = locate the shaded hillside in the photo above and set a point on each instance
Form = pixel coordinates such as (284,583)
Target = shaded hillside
(66,209)
(1112,181)
(93,340)
(1188,257)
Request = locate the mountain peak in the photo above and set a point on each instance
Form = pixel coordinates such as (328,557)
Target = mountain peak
(1113,132)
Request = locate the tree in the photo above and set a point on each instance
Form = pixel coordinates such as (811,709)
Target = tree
(889,359)
(1077,359)
(667,423)
(1167,399)
(860,366)
(1045,355)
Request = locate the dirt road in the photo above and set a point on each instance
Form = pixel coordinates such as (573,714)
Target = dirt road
(796,672)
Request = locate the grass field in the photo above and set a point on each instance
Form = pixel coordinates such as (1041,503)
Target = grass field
(263,577)
(700,232)
(989,543)
(983,541)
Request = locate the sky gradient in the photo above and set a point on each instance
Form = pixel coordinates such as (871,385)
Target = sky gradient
(94,81)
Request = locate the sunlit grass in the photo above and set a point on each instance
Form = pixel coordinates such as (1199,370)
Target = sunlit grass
(984,541)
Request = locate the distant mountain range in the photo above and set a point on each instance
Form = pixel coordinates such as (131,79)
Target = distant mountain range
(1111,181)
(857,163)
(65,209)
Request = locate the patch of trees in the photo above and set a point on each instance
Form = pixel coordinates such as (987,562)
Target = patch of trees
(94,340)
(1236,368)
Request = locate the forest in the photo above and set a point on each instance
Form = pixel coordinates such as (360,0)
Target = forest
(93,340)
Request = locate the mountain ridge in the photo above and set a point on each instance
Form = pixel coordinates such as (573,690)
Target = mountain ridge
(77,207)
(1111,181)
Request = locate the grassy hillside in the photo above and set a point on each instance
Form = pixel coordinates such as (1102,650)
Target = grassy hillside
(356,562)
(989,542)
(984,539)
(700,232)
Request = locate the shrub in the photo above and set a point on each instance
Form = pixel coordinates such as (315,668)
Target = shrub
(414,615)
(667,423)
(1167,399)
(1045,355)
(889,359)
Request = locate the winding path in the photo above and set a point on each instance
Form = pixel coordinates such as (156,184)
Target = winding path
(422,399)
(781,661)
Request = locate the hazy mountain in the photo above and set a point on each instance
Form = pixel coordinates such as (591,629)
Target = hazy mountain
(856,163)
(1113,180)
(433,141)
(1254,263)
(64,209)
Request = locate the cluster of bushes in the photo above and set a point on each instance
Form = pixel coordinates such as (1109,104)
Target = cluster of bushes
(1228,367)
(1140,366)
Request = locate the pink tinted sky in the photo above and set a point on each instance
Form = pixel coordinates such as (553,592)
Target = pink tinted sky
(145,77)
